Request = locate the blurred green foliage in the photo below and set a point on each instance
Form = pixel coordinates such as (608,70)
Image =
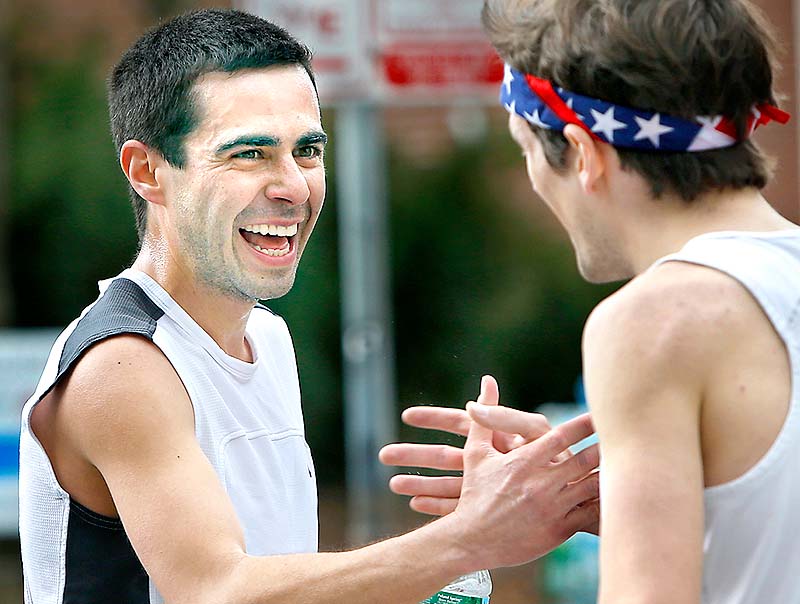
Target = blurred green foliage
(478,290)
(475,289)
(69,218)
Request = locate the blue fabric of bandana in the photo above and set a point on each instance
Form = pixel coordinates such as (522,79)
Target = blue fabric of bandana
(549,107)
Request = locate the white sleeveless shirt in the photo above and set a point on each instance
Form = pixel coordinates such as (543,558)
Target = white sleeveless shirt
(248,422)
(752,523)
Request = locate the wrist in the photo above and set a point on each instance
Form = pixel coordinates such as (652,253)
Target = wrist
(455,546)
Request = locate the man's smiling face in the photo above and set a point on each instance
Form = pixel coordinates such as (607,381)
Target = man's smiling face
(243,207)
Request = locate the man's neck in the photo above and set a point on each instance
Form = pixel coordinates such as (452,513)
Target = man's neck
(664,226)
(221,316)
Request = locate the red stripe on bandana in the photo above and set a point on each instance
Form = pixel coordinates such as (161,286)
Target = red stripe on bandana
(545,91)
(766,114)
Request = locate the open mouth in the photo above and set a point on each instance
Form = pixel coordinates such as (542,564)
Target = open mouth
(269,239)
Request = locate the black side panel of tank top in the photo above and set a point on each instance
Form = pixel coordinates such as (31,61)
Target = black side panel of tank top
(101,566)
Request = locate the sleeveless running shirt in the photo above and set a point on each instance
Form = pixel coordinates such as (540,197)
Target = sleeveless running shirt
(248,422)
(752,524)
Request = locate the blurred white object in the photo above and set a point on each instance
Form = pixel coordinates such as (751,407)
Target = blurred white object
(23,353)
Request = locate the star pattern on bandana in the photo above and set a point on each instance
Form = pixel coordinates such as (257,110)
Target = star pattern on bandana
(651,129)
(621,126)
(536,120)
(571,105)
(508,79)
(605,123)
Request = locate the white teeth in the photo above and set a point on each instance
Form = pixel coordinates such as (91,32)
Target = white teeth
(272,229)
(275,253)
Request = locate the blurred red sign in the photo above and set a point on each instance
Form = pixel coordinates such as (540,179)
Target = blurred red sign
(441,66)
(435,48)
(392,50)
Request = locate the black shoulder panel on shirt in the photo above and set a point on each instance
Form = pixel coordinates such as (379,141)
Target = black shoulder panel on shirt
(101,566)
(123,308)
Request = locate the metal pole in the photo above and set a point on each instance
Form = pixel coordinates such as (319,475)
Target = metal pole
(367,342)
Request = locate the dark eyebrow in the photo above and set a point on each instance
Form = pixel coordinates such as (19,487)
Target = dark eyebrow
(312,138)
(249,141)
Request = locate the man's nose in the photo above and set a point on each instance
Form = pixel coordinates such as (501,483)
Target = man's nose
(287,182)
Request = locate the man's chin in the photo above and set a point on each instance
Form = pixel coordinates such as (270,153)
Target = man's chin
(269,289)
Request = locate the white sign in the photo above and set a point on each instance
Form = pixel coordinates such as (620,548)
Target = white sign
(22,357)
(337,31)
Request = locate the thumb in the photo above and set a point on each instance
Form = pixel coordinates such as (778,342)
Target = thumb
(480,436)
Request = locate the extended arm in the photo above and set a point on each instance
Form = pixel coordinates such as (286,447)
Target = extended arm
(127,413)
(438,495)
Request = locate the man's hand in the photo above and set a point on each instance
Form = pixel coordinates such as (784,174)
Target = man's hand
(520,505)
(504,419)
(438,495)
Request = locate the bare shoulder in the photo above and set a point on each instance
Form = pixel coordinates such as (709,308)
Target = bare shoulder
(658,343)
(677,311)
(121,390)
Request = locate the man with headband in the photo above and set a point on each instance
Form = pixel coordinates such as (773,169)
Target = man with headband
(635,118)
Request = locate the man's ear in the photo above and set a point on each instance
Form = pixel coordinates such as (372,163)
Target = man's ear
(588,157)
(140,164)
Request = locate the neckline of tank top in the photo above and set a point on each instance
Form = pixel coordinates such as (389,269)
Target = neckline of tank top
(185,321)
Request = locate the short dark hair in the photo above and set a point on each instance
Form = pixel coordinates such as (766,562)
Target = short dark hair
(150,89)
(687,59)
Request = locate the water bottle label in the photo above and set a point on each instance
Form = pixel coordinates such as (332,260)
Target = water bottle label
(444,597)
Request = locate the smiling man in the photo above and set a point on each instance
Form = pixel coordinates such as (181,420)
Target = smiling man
(163,455)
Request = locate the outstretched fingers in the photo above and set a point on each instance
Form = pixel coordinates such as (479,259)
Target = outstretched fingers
(455,421)
(435,457)
(580,464)
(433,506)
(560,438)
(480,437)
(511,421)
(448,487)
(582,491)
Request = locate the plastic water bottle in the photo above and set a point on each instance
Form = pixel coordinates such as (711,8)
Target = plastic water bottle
(474,588)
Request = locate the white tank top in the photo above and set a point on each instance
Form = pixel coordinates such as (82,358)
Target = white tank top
(752,523)
(248,422)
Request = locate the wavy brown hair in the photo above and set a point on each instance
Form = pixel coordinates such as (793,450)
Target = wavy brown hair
(686,58)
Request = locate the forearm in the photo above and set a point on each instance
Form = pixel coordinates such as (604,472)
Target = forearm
(405,569)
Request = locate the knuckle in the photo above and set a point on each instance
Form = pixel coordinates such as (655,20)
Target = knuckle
(558,439)
(540,422)
(592,487)
(584,460)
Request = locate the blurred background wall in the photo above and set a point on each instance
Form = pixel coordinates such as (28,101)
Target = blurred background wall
(483,279)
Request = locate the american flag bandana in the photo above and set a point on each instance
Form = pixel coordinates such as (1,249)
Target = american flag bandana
(546,106)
